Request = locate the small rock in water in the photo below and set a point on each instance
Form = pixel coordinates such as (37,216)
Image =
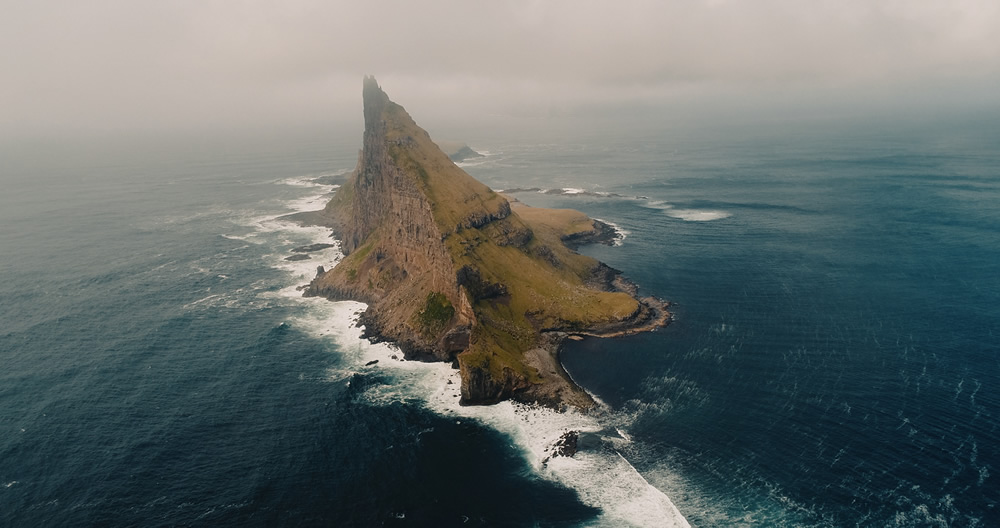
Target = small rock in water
(566,446)
(372,362)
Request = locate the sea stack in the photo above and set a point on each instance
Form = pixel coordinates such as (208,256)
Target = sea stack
(453,271)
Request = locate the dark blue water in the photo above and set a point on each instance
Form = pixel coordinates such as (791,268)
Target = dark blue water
(833,362)
(149,379)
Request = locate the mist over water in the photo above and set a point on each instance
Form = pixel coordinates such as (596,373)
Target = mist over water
(833,360)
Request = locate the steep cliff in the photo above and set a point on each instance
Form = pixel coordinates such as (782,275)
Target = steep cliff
(452,272)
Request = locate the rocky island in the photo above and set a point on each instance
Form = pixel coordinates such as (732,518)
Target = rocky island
(457,151)
(453,271)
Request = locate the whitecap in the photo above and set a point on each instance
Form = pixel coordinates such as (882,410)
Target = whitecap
(309,180)
(488,157)
(203,300)
(308,203)
(299,181)
(620,232)
(697,215)
(472,162)
(658,204)
(688,215)
(625,497)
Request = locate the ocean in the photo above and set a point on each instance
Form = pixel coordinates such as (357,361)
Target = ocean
(833,359)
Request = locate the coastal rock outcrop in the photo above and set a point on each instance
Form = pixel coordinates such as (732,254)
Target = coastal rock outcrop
(452,272)
(458,151)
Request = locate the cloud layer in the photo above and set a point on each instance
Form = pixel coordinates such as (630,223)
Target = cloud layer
(201,63)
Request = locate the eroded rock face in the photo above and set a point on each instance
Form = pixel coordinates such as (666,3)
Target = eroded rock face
(482,386)
(391,221)
(386,197)
(451,273)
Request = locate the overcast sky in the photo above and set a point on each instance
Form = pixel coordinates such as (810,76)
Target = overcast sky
(89,65)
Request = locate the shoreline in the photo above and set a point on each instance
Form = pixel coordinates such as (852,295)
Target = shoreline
(621,493)
(659,317)
(655,316)
(557,390)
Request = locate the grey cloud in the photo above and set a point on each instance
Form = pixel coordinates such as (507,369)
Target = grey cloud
(128,64)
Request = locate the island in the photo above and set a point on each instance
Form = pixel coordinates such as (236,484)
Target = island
(457,151)
(453,271)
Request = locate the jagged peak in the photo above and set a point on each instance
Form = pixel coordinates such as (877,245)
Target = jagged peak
(393,139)
(374,99)
(451,271)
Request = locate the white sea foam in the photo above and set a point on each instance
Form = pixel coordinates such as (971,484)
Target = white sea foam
(487,157)
(309,203)
(309,179)
(697,215)
(268,230)
(299,181)
(602,477)
(658,204)
(203,300)
(572,190)
(688,215)
(620,232)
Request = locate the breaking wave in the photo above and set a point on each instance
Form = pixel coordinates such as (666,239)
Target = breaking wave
(696,215)
(598,472)
(620,232)
(686,214)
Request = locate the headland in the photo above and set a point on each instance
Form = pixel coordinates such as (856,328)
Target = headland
(453,271)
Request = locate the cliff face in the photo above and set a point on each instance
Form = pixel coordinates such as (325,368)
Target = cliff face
(451,272)
(395,254)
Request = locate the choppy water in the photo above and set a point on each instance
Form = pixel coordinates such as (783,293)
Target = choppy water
(834,359)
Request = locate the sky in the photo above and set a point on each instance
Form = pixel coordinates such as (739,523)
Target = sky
(99,66)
